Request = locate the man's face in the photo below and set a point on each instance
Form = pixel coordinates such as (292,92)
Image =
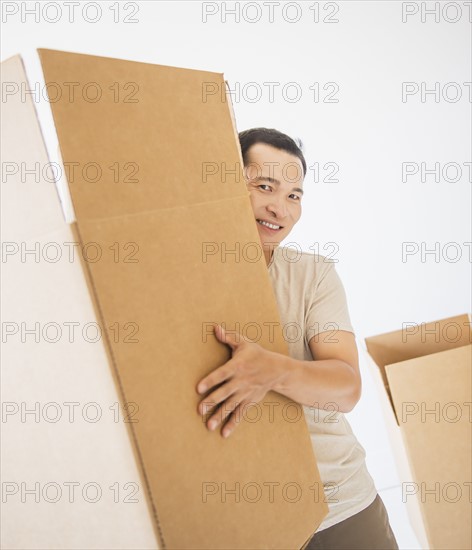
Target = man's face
(274,180)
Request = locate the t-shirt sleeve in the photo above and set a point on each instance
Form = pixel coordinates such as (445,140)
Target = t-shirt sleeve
(327,308)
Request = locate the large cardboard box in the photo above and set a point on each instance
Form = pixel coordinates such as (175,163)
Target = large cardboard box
(424,372)
(136,139)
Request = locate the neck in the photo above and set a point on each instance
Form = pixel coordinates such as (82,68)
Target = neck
(268,253)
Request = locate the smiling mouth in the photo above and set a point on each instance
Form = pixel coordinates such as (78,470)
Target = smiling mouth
(268,225)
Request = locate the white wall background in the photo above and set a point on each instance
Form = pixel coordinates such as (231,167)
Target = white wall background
(367,133)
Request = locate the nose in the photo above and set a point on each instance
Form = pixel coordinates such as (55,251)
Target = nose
(277,207)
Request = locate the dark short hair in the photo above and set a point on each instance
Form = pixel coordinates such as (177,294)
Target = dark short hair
(270,136)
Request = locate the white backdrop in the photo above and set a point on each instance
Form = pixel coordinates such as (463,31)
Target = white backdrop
(379,93)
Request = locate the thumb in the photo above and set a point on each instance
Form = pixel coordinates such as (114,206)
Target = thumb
(231,340)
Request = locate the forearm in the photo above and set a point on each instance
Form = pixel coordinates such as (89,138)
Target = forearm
(317,383)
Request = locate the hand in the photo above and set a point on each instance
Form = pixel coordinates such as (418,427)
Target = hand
(245,379)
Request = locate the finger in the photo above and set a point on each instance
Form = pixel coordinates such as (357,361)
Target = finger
(217,397)
(232,340)
(223,412)
(234,420)
(219,375)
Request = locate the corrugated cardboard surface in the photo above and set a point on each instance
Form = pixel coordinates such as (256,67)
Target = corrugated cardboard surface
(170,293)
(431,393)
(55,444)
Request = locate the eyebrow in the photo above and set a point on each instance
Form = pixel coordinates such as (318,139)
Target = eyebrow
(276,182)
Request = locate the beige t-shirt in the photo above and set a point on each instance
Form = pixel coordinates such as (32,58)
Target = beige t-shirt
(311,300)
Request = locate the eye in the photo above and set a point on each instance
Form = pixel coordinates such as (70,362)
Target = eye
(264,185)
(297,197)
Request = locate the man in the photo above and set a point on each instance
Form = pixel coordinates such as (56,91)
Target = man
(322,370)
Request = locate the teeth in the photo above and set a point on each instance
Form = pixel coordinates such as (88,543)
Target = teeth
(270,225)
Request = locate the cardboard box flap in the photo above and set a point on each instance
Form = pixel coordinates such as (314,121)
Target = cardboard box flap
(436,378)
(417,340)
(139,134)
(171,295)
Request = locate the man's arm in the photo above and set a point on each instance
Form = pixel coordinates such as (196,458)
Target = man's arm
(332,377)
